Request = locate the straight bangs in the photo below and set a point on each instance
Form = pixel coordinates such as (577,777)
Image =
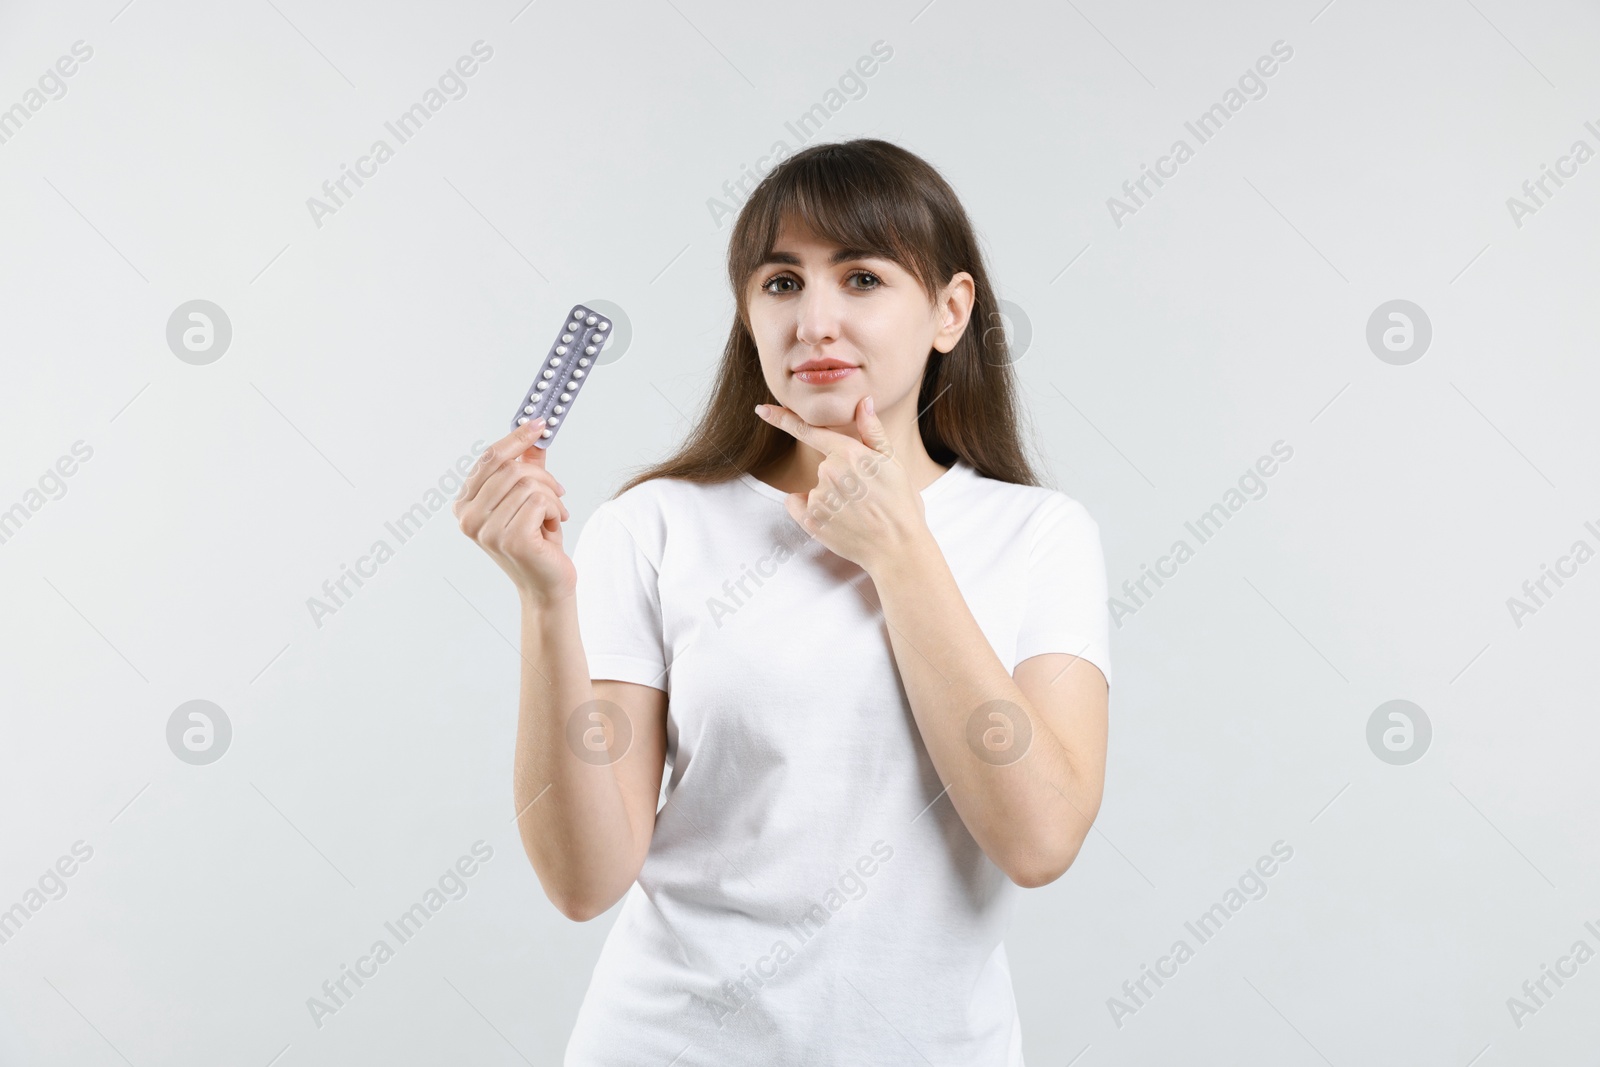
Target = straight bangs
(840,198)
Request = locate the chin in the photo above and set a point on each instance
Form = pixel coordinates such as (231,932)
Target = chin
(828,411)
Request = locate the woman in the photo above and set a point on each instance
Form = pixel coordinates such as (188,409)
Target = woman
(886,649)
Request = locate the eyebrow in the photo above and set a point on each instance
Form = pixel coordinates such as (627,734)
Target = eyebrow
(840,256)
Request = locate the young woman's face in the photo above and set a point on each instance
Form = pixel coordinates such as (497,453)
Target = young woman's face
(815,303)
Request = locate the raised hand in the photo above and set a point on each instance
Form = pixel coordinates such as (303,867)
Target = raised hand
(864,507)
(510,505)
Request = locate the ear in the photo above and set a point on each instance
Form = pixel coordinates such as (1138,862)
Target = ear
(955,308)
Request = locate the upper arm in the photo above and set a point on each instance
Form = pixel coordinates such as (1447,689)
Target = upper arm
(1063,653)
(620,619)
(639,768)
(1071,696)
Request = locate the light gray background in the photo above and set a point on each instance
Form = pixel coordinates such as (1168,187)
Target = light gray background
(1166,356)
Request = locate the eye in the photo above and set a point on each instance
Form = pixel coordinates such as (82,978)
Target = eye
(766,286)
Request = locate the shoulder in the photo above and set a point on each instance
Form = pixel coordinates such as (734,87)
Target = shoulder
(1033,513)
(647,511)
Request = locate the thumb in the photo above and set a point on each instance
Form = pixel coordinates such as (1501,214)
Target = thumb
(798,506)
(872,432)
(530,431)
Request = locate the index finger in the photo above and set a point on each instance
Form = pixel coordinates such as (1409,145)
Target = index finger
(511,445)
(818,437)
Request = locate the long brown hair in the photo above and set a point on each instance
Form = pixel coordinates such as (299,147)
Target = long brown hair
(878,197)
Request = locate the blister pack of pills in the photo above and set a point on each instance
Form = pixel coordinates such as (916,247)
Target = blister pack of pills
(565,368)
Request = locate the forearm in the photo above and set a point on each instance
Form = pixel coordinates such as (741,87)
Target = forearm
(571,815)
(1027,812)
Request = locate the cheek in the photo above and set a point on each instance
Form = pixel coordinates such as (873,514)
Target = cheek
(896,345)
(761,333)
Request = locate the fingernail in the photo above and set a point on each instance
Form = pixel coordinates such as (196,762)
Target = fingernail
(871,407)
(761,409)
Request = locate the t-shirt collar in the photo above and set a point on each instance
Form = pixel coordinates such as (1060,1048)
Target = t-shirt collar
(959,471)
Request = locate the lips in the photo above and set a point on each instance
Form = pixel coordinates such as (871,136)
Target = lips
(824,371)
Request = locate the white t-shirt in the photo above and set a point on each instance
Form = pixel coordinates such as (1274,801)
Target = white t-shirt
(810,895)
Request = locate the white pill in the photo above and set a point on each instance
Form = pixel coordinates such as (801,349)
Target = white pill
(590,350)
(561,350)
(549,374)
(546,433)
(528,410)
(575,374)
(522,420)
(603,326)
(566,396)
(572,326)
(558,409)
(555,361)
(566,337)
(591,320)
(552,421)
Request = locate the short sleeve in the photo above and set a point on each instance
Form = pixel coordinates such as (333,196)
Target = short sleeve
(619,603)
(1065,608)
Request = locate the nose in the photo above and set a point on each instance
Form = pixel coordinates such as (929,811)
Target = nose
(817,315)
